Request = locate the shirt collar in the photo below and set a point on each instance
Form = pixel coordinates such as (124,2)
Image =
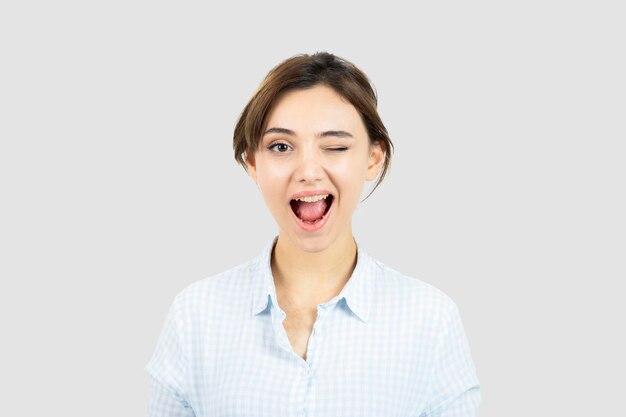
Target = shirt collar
(358,291)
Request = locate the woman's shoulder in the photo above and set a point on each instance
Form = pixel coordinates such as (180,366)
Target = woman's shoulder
(224,285)
(415,290)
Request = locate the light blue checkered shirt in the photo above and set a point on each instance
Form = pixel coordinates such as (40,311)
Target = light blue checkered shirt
(387,345)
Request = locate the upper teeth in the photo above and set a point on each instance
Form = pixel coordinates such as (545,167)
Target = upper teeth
(312,198)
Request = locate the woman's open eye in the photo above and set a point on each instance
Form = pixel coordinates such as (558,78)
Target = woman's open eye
(281,147)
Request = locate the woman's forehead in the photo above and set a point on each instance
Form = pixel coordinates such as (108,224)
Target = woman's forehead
(315,110)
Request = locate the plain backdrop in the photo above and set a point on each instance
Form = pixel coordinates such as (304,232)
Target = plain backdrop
(119,186)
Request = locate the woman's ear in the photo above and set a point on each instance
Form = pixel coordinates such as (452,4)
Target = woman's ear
(251,164)
(375,159)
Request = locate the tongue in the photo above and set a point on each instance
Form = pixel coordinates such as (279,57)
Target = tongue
(310,211)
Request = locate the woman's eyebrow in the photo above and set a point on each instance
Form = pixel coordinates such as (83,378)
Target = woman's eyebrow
(336,133)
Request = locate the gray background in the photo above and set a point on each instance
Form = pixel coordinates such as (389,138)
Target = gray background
(119,187)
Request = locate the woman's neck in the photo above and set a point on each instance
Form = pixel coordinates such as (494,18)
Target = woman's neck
(305,279)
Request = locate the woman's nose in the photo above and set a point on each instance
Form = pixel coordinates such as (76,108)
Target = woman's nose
(310,167)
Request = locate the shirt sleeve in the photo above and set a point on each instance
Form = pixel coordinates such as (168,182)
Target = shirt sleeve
(455,389)
(166,369)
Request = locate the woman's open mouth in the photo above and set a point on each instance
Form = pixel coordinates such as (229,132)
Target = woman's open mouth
(311,213)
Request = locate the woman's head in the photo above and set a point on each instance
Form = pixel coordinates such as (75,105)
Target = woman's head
(312,126)
(305,71)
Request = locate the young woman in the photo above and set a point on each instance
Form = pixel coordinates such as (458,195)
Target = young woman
(313,325)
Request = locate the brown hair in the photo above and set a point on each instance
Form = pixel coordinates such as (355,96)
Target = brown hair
(305,71)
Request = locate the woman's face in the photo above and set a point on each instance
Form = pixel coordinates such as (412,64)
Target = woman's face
(315,142)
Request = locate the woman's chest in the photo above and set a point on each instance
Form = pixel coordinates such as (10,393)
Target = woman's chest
(298,327)
(350,370)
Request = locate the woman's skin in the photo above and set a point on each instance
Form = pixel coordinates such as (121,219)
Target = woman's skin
(311,267)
